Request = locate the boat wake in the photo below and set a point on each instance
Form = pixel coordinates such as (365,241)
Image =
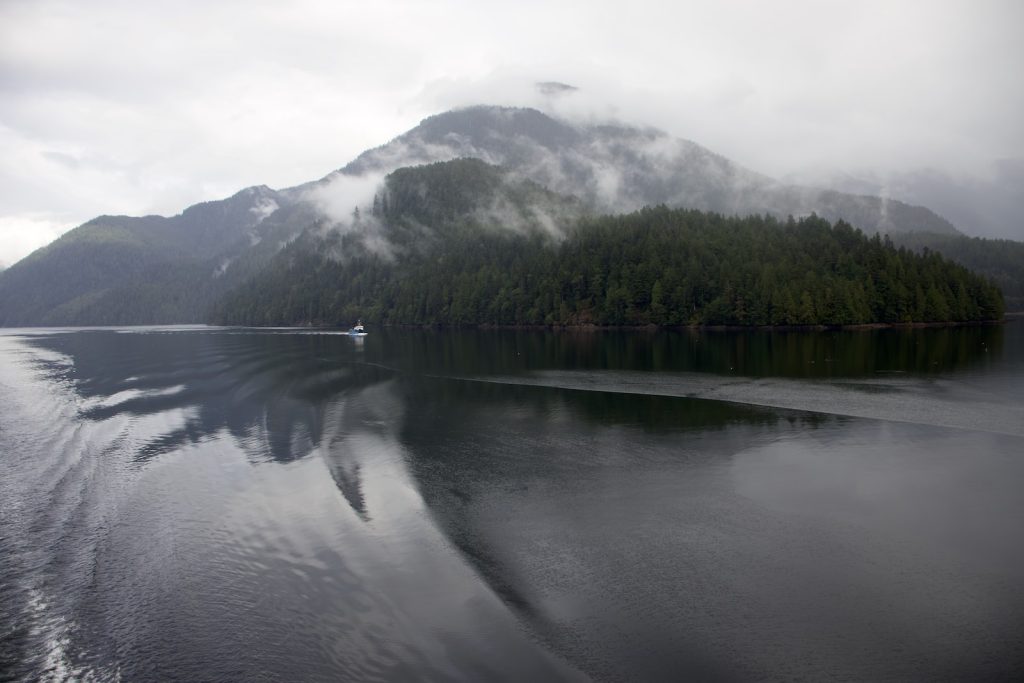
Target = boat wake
(936,402)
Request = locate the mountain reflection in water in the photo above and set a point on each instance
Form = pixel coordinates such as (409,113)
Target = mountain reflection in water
(238,504)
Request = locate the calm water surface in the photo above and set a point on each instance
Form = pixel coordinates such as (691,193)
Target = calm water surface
(224,504)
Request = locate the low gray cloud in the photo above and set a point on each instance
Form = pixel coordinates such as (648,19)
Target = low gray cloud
(555,88)
(341,197)
(122,107)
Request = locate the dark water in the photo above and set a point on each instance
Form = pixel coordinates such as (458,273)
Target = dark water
(210,504)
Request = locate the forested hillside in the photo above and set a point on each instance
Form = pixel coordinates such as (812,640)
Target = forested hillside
(135,270)
(657,266)
(1002,261)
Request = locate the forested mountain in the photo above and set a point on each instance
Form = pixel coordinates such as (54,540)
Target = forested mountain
(656,266)
(619,168)
(120,269)
(124,270)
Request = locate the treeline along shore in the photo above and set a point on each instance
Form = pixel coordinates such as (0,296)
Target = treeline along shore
(655,267)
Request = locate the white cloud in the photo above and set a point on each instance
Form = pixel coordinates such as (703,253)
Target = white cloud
(341,195)
(21,234)
(114,106)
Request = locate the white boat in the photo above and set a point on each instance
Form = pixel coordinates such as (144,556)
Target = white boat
(357,330)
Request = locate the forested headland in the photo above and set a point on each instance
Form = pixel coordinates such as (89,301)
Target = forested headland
(657,266)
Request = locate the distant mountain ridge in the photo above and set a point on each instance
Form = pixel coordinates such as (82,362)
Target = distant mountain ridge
(987,203)
(152,269)
(617,168)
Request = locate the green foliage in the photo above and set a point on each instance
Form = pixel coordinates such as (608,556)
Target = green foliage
(656,266)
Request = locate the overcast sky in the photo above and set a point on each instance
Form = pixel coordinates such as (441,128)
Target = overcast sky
(111,106)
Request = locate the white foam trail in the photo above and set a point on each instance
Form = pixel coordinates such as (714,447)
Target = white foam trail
(939,402)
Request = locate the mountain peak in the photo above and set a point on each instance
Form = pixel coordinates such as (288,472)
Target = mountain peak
(259,190)
(616,167)
(485,121)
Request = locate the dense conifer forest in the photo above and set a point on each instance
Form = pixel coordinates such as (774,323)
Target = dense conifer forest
(657,266)
(1000,260)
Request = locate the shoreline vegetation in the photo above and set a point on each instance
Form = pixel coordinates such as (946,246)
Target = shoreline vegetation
(740,328)
(590,327)
(1009,317)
